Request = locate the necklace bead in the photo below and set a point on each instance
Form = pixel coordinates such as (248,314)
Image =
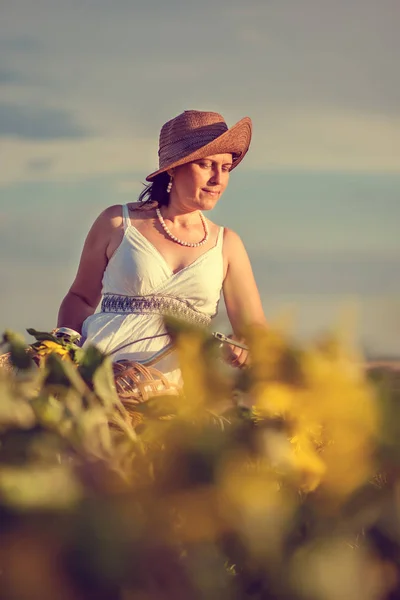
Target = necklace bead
(181,242)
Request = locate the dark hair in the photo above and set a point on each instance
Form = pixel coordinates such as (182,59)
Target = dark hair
(156,191)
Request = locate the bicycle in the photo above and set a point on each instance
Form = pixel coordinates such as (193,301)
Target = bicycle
(137,381)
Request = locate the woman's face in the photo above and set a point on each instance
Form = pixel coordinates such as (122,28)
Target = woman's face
(200,184)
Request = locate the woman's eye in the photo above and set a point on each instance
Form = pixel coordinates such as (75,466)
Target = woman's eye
(205,165)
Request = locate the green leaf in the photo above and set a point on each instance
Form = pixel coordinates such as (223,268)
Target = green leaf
(14,411)
(78,355)
(95,433)
(160,406)
(48,410)
(57,374)
(39,487)
(10,337)
(104,386)
(90,362)
(66,373)
(177,326)
(18,351)
(41,336)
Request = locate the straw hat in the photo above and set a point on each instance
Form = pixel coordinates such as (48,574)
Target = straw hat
(195,134)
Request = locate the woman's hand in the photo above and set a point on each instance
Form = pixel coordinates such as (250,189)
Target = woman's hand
(235,356)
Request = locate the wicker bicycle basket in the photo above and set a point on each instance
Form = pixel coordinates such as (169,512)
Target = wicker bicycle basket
(136,383)
(6,364)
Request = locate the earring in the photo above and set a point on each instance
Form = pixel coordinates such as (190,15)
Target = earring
(169,186)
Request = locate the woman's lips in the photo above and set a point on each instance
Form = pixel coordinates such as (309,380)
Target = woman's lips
(212,193)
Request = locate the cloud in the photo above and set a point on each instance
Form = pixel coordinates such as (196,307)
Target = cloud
(319,83)
(47,284)
(284,140)
(41,165)
(8,76)
(332,276)
(312,53)
(117,63)
(30,122)
(10,42)
(128,186)
(330,140)
(71,160)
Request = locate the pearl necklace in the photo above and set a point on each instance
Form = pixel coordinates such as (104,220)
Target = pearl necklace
(181,242)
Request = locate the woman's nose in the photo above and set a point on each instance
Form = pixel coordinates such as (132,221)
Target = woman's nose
(216,176)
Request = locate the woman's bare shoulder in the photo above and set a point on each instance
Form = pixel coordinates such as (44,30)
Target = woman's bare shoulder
(234,247)
(231,238)
(139,212)
(110,217)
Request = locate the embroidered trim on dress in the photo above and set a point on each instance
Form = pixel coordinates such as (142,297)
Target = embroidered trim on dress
(164,305)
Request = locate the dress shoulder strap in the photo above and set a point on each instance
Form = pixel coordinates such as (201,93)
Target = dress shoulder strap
(125,216)
(220,237)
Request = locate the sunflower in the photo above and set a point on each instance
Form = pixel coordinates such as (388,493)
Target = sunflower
(47,347)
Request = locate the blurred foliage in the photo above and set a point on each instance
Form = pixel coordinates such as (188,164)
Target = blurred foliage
(280,481)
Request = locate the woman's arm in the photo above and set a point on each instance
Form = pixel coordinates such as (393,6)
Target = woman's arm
(241,295)
(85,293)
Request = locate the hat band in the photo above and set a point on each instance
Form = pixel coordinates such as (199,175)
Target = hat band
(182,147)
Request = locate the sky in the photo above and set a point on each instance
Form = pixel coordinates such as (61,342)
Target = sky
(85,87)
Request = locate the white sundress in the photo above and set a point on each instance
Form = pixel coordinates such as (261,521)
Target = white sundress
(138,269)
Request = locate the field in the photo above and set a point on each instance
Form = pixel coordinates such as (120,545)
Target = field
(290,491)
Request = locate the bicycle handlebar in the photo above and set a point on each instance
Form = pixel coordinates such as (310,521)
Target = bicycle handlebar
(67,333)
(224,339)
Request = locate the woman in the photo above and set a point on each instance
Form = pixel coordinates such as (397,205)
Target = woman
(162,255)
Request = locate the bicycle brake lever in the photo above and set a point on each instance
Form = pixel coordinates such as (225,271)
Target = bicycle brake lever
(227,340)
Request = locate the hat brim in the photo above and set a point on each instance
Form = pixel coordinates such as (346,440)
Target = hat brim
(235,141)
